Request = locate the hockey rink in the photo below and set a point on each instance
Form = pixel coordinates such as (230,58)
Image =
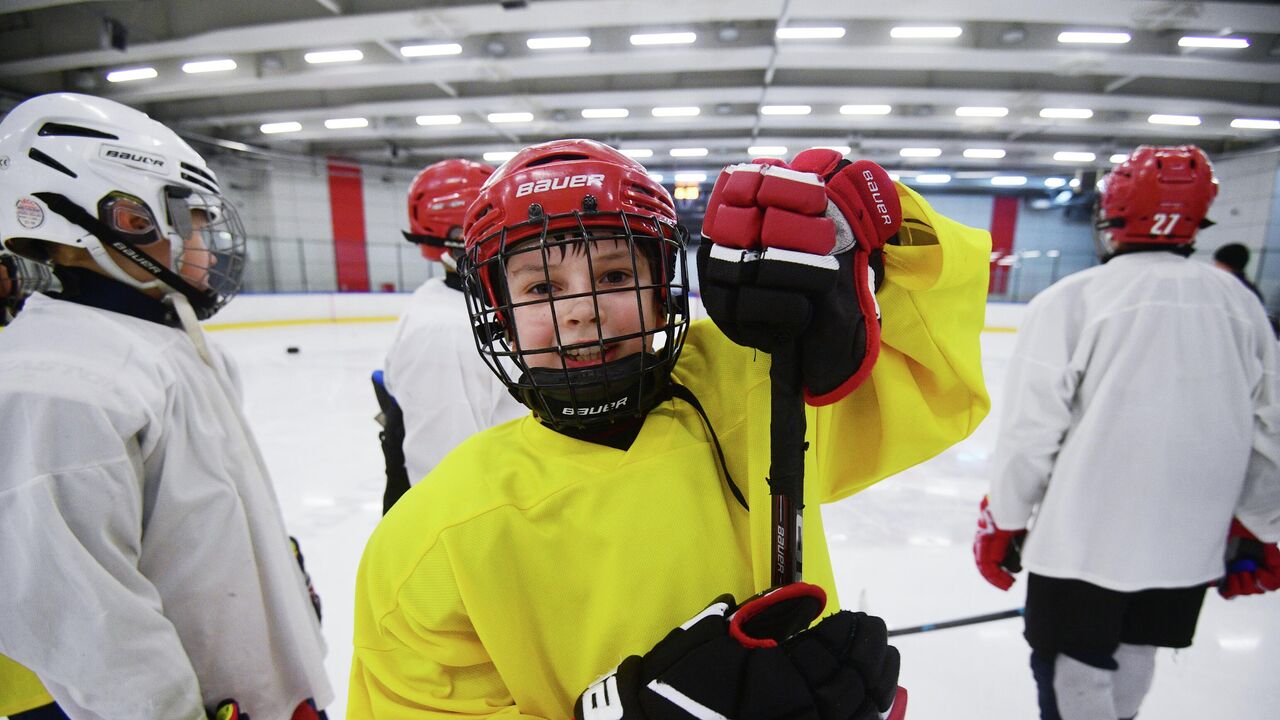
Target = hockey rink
(901,549)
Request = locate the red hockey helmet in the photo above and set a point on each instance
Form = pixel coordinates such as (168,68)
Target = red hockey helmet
(576,194)
(438,200)
(1158,196)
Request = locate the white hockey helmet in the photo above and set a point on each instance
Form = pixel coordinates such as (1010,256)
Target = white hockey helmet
(88,172)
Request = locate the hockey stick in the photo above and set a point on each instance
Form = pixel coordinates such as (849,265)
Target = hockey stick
(786,463)
(961,622)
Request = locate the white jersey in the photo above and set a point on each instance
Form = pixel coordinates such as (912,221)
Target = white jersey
(144,561)
(444,388)
(1142,411)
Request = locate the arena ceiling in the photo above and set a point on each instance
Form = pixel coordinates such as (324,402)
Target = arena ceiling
(999,79)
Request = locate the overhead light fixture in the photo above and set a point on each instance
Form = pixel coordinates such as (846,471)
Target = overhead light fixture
(1255,124)
(866,109)
(598,113)
(439,119)
(809,33)
(208,66)
(1075,182)
(671,38)
(558,43)
(1066,113)
(1093,38)
(785,109)
(926,32)
(431,50)
(499,155)
(691,177)
(1009,180)
(920,152)
(676,111)
(319,57)
(688,152)
(1118,158)
(656,177)
(974,111)
(1073,156)
(637,153)
(933,178)
(346,123)
(279,127)
(1054,182)
(984,153)
(509,117)
(767,150)
(842,149)
(131,74)
(1158,119)
(1217,43)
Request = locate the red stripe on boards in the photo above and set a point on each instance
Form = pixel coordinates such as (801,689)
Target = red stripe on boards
(1004,224)
(346,209)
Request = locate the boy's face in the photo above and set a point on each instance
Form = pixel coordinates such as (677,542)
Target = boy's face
(595,299)
(195,260)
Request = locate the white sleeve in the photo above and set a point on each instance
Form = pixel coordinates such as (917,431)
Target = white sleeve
(1259,505)
(1039,387)
(78,610)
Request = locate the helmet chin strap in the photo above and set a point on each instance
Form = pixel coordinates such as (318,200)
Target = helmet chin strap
(190,324)
(103,260)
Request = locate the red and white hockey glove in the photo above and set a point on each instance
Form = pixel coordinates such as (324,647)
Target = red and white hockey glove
(792,253)
(757,661)
(997,552)
(1253,567)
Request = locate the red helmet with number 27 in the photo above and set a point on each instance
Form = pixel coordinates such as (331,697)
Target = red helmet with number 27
(1158,196)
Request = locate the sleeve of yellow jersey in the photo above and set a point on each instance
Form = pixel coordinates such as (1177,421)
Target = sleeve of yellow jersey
(926,392)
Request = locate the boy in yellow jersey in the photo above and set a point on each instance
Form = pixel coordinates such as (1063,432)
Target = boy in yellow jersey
(541,553)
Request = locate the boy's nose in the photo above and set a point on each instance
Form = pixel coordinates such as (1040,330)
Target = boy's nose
(579,310)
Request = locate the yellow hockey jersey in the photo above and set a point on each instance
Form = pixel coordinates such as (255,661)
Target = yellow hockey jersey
(20,689)
(529,563)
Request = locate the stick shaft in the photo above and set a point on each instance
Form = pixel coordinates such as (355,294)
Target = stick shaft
(786,465)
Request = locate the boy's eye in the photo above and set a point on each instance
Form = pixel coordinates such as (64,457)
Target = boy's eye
(541,288)
(614,277)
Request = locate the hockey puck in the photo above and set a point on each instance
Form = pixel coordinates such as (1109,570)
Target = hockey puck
(292,350)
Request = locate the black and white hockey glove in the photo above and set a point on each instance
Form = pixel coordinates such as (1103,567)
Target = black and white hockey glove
(757,661)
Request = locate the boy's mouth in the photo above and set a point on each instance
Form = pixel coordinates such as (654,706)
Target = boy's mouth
(587,356)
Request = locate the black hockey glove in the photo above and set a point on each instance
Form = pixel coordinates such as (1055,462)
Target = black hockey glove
(792,253)
(302,565)
(758,661)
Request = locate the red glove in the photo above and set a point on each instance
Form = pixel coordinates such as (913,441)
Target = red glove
(1253,567)
(793,256)
(997,552)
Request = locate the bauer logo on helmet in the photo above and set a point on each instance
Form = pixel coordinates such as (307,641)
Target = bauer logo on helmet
(560,183)
(133,158)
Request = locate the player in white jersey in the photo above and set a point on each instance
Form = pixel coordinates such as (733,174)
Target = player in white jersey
(146,568)
(442,390)
(1139,447)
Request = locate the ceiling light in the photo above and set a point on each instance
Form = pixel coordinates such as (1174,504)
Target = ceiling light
(935,32)
(688,152)
(1094,38)
(842,149)
(785,109)
(1255,124)
(920,152)
(431,50)
(346,123)
(866,109)
(637,152)
(691,177)
(499,155)
(994,111)
(656,177)
(809,33)
(439,119)
(1219,43)
(510,117)
(597,113)
(131,74)
(279,127)
(933,178)
(1073,156)
(1054,182)
(672,38)
(1009,180)
(675,111)
(1075,182)
(558,43)
(987,153)
(333,56)
(205,66)
(1118,158)
(767,150)
(1159,119)
(1066,113)
(1013,34)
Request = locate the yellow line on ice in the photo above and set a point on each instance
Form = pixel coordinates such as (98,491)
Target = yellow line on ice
(258,324)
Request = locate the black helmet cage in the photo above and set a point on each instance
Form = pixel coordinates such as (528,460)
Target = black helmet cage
(588,397)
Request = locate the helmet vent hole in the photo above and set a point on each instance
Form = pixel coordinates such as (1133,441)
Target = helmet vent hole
(44,159)
(559,157)
(65,130)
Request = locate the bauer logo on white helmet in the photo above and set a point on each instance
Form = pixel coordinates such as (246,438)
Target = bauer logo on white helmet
(135,159)
(560,183)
